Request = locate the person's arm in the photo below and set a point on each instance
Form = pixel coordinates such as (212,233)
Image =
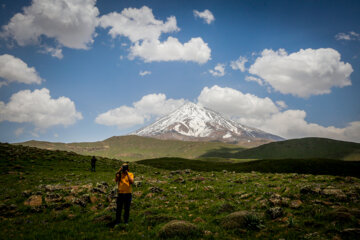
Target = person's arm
(131,178)
(118,176)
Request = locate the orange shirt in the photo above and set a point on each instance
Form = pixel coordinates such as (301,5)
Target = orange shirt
(124,185)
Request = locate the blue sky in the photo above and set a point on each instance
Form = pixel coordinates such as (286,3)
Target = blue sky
(86,70)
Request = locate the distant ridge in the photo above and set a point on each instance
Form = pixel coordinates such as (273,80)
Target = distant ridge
(295,149)
(192,122)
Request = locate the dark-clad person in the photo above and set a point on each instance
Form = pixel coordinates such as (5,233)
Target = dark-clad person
(93,163)
(124,179)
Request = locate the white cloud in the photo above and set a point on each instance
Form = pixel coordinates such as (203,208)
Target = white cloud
(206,15)
(19,131)
(39,108)
(137,24)
(350,36)
(219,70)
(239,64)
(254,79)
(195,50)
(247,108)
(13,69)
(149,106)
(54,52)
(144,73)
(71,23)
(281,104)
(263,113)
(144,31)
(304,73)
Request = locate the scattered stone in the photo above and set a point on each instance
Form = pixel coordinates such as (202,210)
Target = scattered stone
(198,220)
(224,171)
(137,183)
(275,200)
(138,194)
(207,233)
(34,201)
(26,193)
(238,220)
(337,193)
(209,188)
(275,212)
(52,197)
(187,171)
(98,190)
(155,189)
(178,228)
(179,180)
(245,195)
(350,233)
(295,203)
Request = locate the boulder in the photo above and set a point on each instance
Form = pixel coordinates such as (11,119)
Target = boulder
(34,201)
(240,219)
(337,193)
(275,212)
(52,197)
(295,203)
(178,228)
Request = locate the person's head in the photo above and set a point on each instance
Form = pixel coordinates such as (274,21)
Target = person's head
(125,167)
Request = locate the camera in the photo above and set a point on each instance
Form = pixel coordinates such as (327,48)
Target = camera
(125,168)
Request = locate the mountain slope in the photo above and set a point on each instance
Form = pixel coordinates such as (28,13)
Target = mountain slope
(193,122)
(135,147)
(295,148)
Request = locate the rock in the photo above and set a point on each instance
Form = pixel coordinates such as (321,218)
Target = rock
(93,199)
(138,193)
(295,203)
(176,172)
(198,220)
(52,197)
(226,207)
(34,201)
(137,183)
(209,188)
(245,195)
(187,171)
(341,214)
(26,193)
(239,220)
(350,233)
(275,212)
(98,190)
(337,193)
(179,180)
(310,190)
(51,188)
(224,171)
(155,189)
(178,228)
(149,195)
(275,200)
(62,206)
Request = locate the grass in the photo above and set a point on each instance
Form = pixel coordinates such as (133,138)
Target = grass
(203,198)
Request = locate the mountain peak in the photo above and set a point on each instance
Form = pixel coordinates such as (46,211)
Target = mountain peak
(194,122)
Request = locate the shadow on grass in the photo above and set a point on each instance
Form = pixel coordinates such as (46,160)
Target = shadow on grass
(303,166)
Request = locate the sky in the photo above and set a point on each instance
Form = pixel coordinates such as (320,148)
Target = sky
(86,70)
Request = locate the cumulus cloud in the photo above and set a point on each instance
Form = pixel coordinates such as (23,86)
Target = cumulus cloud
(281,104)
(144,73)
(149,106)
(304,73)
(39,108)
(195,50)
(264,114)
(13,69)
(350,36)
(71,23)
(246,108)
(254,79)
(137,24)
(206,15)
(219,70)
(54,52)
(239,64)
(144,31)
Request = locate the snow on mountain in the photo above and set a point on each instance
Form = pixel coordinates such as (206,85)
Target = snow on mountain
(193,122)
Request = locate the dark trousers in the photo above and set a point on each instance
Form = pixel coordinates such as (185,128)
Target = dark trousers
(93,167)
(123,200)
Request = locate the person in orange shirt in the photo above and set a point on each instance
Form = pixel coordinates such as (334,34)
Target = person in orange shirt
(124,179)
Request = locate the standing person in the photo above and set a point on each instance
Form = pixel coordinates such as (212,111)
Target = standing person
(93,162)
(124,179)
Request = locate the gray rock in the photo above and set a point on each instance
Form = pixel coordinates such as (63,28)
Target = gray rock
(180,229)
(275,212)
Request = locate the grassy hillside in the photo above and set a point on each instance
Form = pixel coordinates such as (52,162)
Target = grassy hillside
(134,147)
(295,149)
(53,195)
(301,166)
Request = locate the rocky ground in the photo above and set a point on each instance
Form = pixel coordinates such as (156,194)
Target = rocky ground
(53,195)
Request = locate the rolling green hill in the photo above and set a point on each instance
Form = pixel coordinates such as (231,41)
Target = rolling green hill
(132,148)
(295,149)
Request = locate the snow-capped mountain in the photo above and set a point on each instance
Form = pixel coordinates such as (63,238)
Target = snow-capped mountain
(196,123)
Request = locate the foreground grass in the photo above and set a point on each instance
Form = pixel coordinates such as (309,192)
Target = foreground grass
(162,195)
